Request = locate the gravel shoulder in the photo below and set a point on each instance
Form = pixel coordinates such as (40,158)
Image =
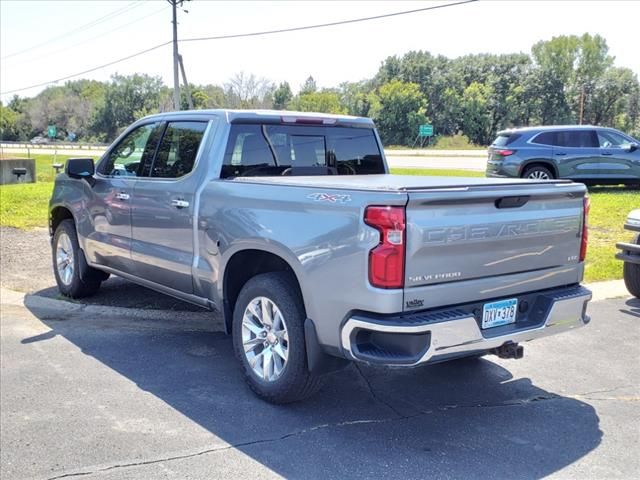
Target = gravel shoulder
(25,266)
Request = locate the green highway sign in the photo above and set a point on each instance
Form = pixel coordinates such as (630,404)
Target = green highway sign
(426,130)
(52,131)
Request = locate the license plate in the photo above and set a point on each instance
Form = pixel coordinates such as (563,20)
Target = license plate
(495,314)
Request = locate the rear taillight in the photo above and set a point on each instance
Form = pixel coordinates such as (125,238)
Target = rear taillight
(585,228)
(386,260)
(505,153)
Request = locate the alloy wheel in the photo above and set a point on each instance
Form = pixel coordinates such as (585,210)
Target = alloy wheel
(265,339)
(64,259)
(539,175)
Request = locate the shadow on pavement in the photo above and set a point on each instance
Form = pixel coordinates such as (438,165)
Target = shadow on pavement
(464,419)
(634,307)
(118,292)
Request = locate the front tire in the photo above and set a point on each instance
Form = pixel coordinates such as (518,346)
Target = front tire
(66,256)
(269,341)
(631,273)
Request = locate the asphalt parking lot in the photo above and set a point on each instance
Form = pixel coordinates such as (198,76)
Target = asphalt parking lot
(101,396)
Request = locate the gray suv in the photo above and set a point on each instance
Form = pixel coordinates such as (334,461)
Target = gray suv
(592,155)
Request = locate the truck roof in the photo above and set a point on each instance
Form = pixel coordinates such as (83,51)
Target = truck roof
(266,115)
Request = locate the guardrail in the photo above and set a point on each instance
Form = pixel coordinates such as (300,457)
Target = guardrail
(50,145)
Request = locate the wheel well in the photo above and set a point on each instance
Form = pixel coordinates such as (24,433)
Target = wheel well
(546,165)
(58,214)
(244,265)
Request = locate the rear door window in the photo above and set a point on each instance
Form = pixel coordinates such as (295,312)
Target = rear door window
(577,139)
(262,150)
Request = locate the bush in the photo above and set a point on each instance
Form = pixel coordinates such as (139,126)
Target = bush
(454,142)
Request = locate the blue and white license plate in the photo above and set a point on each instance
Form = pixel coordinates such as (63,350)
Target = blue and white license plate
(499,313)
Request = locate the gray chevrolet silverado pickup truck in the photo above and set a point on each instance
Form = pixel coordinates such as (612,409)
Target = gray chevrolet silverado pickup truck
(291,225)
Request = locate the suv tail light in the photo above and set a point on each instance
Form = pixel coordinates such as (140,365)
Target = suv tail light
(386,261)
(586,202)
(505,153)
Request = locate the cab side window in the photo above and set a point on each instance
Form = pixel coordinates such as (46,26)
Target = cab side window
(176,155)
(132,152)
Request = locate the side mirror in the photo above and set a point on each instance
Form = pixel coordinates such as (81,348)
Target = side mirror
(630,147)
(82,168)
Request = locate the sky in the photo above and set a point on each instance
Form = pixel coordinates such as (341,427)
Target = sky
(45,40)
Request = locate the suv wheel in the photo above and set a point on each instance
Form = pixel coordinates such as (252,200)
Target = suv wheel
(65,251)
(538,172)
(631,274)
(268,338)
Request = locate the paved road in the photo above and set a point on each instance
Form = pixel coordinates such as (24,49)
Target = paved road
(119,398)
(438,162)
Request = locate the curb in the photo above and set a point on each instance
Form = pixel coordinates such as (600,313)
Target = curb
(211,321)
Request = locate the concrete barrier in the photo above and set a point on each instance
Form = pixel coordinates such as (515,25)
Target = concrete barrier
(17,170)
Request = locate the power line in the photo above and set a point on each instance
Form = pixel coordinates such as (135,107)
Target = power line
(330,24)
(64,49)
(86,26)
(137,54)
(239,35)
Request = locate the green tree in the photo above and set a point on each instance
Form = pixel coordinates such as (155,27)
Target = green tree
(359,98)
(127,99)
(8,123)
(282,96)
(309,86)
(477,120)
(402,110)
(326,101)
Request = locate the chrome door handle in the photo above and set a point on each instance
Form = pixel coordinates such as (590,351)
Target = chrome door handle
(122,196)
(179,203)
(606,153)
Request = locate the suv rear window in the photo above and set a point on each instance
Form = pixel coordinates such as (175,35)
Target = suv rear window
(505,139)
(263,150)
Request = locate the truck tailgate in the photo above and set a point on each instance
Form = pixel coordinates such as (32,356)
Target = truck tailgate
(483,231)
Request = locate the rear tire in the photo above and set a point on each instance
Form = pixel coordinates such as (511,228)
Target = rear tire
(631,273)
(269,341)
(538,172)
(66,268)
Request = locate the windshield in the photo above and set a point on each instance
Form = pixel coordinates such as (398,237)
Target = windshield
(263,150)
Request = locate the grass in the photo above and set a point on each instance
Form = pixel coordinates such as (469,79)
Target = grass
(25,206)
(609,209)
(452,142)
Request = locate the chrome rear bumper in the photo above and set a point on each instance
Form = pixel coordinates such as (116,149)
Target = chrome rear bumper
(434,336)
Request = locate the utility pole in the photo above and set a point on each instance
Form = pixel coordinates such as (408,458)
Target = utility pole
(176,78)
(581,104)
(186,84)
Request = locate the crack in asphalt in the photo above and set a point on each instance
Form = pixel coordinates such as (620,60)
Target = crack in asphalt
(374,395)
(399,417)
(227,447)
